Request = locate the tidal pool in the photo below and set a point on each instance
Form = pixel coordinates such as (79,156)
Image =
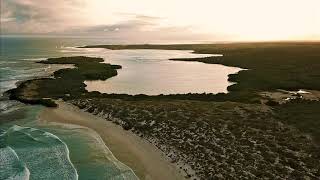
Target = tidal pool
(151,72)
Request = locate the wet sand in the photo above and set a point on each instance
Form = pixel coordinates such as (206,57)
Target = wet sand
(145,159)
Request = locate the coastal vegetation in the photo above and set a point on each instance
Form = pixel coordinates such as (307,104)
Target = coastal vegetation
(208,140)
(241,134)
(65,82)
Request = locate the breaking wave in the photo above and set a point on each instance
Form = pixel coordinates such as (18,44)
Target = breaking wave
(32,153)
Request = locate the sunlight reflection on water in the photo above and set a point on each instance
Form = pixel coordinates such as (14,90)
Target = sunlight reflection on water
(151,72)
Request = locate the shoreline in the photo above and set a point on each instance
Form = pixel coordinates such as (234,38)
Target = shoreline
(143,158)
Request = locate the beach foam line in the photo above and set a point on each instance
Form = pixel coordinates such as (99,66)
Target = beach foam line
(12,76)
(6,85)
(125,172)
(143,158)
(11,167)
(8,62)
(67,149)
(45,155)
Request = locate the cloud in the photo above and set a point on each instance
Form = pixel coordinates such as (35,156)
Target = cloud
(38,16)
(165,18)
(70,18)
(140,28)
(137,23)
(62,17)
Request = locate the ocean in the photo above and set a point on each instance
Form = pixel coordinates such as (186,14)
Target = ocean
(54,151)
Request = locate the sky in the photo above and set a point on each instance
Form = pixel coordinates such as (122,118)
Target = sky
(212,20)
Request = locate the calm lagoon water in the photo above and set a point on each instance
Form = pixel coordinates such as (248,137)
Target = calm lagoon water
(151,72)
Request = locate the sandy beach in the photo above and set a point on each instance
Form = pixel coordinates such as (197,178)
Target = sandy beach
(145,159)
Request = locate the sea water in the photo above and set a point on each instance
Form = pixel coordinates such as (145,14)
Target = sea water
(32,151)
(37,154)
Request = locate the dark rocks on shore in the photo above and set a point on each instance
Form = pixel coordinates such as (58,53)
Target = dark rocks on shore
(16,94)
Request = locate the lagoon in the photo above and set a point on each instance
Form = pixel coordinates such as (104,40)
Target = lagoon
(151,72)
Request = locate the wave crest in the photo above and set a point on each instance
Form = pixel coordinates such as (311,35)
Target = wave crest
(41,153)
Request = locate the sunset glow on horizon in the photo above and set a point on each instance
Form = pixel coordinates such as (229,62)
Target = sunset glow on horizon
(230,20)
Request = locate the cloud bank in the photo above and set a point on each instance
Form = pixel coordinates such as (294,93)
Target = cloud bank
(69,18)
(166,19)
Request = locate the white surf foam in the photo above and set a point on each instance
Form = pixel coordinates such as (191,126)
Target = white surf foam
(124,172)
(11,167)
(45,155)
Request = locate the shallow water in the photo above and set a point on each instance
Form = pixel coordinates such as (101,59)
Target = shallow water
(151,72)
